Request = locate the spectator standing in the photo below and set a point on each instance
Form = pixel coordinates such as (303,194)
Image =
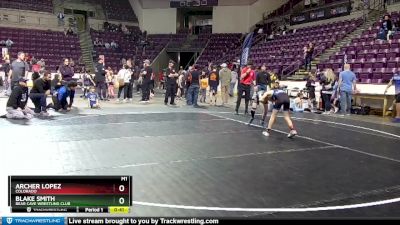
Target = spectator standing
(19,69)
(113,44)
(203,86)
(234,78)
(213,82)
(387,26)
(60,17)
(194,86)
(110,83)
(396,82)
(66,71)
(310,85)
(181,85)
(262,82)
(100,79)
(124,77)
(225,76)
(171,77)
(9,43)
(67,74)
(327,81)
(247,78)
(347,86)
(308,56)
(42,65)
(6,68)
(146,76)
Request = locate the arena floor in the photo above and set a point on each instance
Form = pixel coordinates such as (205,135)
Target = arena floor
(209,162)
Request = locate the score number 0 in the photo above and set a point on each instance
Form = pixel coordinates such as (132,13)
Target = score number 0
(121,200)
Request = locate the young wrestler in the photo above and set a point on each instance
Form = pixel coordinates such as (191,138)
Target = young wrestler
(279,98)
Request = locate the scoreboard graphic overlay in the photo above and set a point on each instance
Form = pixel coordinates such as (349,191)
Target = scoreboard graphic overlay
(73,194)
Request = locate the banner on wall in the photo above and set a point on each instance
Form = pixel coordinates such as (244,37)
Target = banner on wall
(246,49)
(340,9)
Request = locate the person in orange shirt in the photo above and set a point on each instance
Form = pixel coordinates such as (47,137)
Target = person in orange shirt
(203,86)
(247,77)
(213,81)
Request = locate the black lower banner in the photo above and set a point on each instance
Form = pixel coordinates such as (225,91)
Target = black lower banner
(205,221)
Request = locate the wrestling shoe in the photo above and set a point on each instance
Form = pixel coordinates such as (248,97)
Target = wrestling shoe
(266,133)
(250,121)
(292,133)
(44,113)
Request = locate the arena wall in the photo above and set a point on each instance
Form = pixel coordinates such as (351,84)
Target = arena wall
(28,20)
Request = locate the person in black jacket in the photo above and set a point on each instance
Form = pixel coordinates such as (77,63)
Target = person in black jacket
(39,92)
(67,74)
(147,73)
(171,77)
(100,79)
(16,105)
(308,56)
(387,26)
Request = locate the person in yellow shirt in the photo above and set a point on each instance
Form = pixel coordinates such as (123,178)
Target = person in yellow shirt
(203,86)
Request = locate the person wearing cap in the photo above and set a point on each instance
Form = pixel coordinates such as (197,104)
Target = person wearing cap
(225,75)
(171,77)
(247,78)
(100,79)
(146,75)
(19,68)
(17,102)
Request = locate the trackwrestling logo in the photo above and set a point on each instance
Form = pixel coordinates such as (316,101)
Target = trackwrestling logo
(9,220)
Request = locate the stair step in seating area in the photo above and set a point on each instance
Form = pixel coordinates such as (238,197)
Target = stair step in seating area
(50,45)
(373,60)
(288,50)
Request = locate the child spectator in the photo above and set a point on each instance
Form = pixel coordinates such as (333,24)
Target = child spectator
(93,98)
(203,87)
(298,103)
(310,86)
(87,83)
(110,83)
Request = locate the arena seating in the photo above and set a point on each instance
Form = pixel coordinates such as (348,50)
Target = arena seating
(34,5)
(49,45)
(131,48)
(201,41)
(373,61)
(287,50)
(218,46)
